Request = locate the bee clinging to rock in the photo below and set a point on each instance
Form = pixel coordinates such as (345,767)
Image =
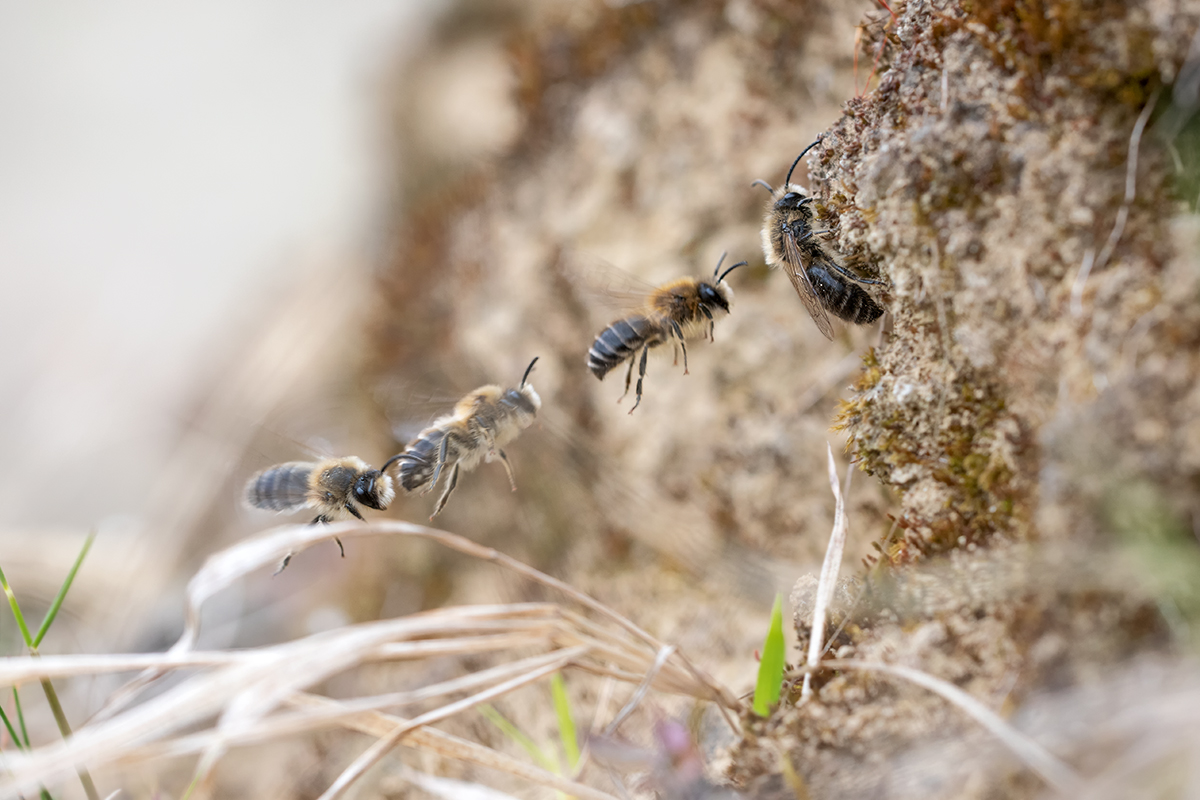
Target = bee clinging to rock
(789,241)
(676,311)
(330,487)
(474,431)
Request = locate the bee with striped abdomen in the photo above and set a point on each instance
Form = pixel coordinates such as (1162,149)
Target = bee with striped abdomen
(329,487)
(474,431)
(790,242)
(678,310)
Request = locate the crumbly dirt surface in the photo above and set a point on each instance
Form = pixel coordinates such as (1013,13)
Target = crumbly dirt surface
(1027,418)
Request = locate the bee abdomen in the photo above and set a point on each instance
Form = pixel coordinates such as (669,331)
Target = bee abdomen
(419,460)
(280,488)
(844,299)
(618,342)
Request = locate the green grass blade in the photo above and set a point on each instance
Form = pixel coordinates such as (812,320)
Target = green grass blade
(21,717)
(16,609)
(45,795)
(12,733)
(514,733)
(770,668)
(566,724)
(62,592)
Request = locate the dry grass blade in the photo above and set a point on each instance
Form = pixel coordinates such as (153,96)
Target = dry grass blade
(251,696)
(251,687)
(382,747)
(829,573)
(1118,229)
(449,746)
(1054,772)
(307,719)
(17,670)
(266,551)
(225,567)
(450,789)
(638,695)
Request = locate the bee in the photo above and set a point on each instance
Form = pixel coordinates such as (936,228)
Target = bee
(677,310)
(329,487)
(474,431)
(790,242)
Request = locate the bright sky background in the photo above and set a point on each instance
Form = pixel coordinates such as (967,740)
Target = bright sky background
(161,166)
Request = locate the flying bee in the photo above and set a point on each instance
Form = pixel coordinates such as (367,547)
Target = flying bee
(474,431)
(790,242)
(329,487)
(678,310)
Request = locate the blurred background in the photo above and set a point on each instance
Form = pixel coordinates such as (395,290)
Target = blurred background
(169,176)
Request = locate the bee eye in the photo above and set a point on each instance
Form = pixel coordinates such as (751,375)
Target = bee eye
(791,197)
(710,296)
(364,486)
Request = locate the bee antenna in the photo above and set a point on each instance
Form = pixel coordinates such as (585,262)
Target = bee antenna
(391,461)
(528,370)
(719,260)
(731,269)
(788,179)
(764,184)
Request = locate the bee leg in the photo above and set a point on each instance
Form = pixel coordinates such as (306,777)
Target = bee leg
(628,376)
(437,470)
(507,468)
(349,507)
(441,503)
(682,343)
(490,438)
(852,277)
(321,519)
(641,375)
(711,324)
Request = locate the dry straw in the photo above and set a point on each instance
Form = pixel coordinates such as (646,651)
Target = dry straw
(235,699)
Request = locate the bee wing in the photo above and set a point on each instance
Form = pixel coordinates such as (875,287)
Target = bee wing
(411,405)
(796,269)
(603,285)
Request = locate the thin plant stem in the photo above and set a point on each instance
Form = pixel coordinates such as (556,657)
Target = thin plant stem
(517,735)
(64,727)
(16,609)
(12,733)
(566,724)
(21,717)
(32,642)
(62,592)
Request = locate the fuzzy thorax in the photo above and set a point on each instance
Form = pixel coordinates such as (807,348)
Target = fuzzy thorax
(780,212)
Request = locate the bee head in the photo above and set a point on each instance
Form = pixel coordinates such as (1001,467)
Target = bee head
(793,198)
(525,398)
(374,489)
(711,296)
(715,293)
